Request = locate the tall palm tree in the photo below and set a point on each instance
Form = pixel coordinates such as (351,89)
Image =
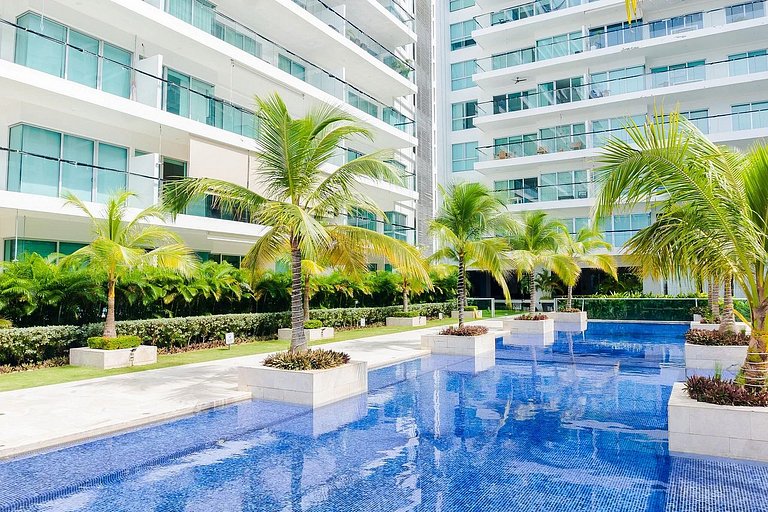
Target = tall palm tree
(711,220)
(300,199)
(465,227)
(587,249)
(413,282)
(537,241)
(120,245)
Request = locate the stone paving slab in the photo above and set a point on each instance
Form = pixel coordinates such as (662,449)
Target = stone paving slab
(46,416)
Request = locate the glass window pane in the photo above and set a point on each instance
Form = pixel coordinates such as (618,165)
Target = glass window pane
(77,179)
(43,52)
(116,71)
(201,102)
(177,93)
(83,59)
(113,178)
(39,175)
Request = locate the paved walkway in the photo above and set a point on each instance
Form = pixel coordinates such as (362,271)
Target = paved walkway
(42,417)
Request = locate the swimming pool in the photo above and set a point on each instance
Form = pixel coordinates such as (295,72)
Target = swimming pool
(579,425)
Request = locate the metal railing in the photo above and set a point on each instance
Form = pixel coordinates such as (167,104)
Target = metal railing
(527,10)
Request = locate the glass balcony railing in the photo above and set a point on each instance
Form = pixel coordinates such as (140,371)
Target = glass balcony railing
(750,116)
(404,170)
(336,21)
(399,12)
(622,33)
(242,37)
(536,193)
(395,226)
(623,81)
(527,10)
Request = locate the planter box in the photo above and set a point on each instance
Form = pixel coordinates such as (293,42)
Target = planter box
(108,359)
(459,345)
(569,321)
(529,326)
(716,430)
(311,387)
(320,333)
(697,318)
(707,357)
(399,321)
(469,315)
(740,326)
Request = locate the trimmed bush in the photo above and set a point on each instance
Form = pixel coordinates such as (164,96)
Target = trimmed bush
(102,343)
(470,308)
(716,338)
(406,314)
(529,316)
(35,344)
(467,330)
(313,324)
(570,310)
(5,323)
(315,359)
(712,390)
(639,308)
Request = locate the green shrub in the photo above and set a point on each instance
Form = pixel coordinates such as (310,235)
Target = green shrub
(5,323)
(406,314)
(716,338)
(724,392)
(315,359)
(529,316)
(313,324)
(102,343)
(470,308)
(639,308)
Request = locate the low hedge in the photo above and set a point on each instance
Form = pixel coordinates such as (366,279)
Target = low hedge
(102,343)
(313,324)
(406,314)
(34,344)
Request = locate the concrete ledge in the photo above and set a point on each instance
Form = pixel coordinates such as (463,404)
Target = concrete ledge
(565,321)
(528,326)
(311,387)
(740,326)
(399,321)
(469,315)
(717,430)
(320,333)
(707,357)
(108,359)
(529,339)
(459,345)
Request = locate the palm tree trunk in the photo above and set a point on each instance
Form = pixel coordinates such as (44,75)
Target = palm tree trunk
(569,301)
(298,341)
(461,291)
(405,295)
(757,360)
(306,298)
(710,293)
(715,304)
(532,290)
(726,321)
(110,330)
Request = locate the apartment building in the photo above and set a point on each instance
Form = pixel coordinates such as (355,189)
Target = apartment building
(532,90)
(129,94)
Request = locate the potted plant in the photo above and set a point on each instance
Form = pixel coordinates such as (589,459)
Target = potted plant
(473,312)
(313,331)
(106,353)
(529,323)
(406,319)
(467,340)
(708,349)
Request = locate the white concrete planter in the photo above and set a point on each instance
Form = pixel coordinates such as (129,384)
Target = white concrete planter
(569,321)
(529,340)
(459,345)
(320,333)
(707,357)
(310,387)
(716,430)
(469,315)
(740,326)
(108,359)
(399,321)
(697,318)
(529,326)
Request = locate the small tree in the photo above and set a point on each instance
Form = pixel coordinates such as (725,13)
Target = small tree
(584,250)
(121,245)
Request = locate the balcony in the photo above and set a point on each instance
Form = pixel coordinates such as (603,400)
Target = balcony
(395,226)
(547,187)
(385,21)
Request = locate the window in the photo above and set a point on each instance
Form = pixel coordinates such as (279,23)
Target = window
(616,81)
(750,116)
(394,117)
(362,219)
(517,191)
(745,11)
(559,186)
(224,30)
(461,34)
(675,74)
(615,34)
(616,230)
(64,52)
(363,104)
(461,74)
(463,156)
(463,115)
(677,25)
(515,58)
(13,251)
(514,102)
(699,118)
(604,129)
(560,91)
(396,226)
(52,163)
(516,145)
(292,67)
(748,62)
(566,137)
(457,5)
(559,46)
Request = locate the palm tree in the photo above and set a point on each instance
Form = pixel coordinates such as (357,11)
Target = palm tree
(711,219)
(584,249)
(469,215)
(300,199)
(536,241)
(121,245)
(413,282)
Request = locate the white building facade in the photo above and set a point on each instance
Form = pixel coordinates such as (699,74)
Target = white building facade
(531,90)
(129,94)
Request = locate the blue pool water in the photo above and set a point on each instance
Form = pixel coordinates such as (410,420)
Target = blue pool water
(576,426)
